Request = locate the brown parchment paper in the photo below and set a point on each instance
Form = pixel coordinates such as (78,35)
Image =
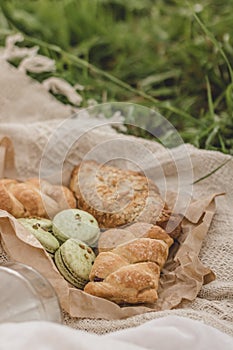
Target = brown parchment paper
(182,277)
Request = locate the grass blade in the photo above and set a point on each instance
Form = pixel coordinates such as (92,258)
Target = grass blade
(212,172)
(210,100)
(215,42)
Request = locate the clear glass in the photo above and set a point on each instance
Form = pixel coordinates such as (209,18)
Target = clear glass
(25,295)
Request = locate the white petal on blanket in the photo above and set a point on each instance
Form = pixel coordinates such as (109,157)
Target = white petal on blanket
(117,121)
(60,86)
(18,52)
(37,64)
(11,51)
(79,87)
(11,40)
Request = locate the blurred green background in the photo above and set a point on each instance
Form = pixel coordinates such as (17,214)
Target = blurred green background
(174,56)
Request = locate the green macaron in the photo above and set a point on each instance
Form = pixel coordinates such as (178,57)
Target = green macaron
(45,224)
(74,260)
(41,229)
(78,224)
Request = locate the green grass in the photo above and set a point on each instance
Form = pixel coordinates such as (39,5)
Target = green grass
(175,56)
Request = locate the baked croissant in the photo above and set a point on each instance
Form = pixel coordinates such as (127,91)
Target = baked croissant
(130,272)
(34,197)
(111,238)
(131,284)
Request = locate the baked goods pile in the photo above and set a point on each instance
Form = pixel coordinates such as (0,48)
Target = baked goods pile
(123,262)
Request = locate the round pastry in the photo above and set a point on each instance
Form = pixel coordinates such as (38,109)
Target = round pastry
(75,223)
(74,260)
(42,230)
(114,196)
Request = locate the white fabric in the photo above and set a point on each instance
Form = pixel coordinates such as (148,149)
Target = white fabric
(168,333)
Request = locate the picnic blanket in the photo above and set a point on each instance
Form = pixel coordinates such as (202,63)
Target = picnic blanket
(28,111)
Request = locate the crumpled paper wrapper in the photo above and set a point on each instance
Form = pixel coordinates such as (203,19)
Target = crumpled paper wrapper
(181,279)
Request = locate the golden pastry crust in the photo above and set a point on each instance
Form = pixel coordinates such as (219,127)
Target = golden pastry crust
(156,232)
(116,197)
(59,194)
(132,284)
(8,182)
(9,203)
(29,198)
(111,238)
(130,272)
(105,264)
(143,249)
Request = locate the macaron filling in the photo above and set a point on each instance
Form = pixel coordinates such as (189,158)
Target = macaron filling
(75,281)
(74,260)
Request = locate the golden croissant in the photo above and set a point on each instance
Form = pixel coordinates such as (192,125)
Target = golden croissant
(130,272)
(34,197)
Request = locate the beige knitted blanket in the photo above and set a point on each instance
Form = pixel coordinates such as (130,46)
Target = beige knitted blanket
(29,112)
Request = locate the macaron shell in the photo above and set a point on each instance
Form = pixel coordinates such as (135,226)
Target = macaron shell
(60,237)
(39,228)
(45,224)
(48,241)
(75,223)
(78,258)
(77,282)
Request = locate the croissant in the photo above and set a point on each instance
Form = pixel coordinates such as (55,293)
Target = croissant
(132,284)
(130,272)
(34,197)
(111,238)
